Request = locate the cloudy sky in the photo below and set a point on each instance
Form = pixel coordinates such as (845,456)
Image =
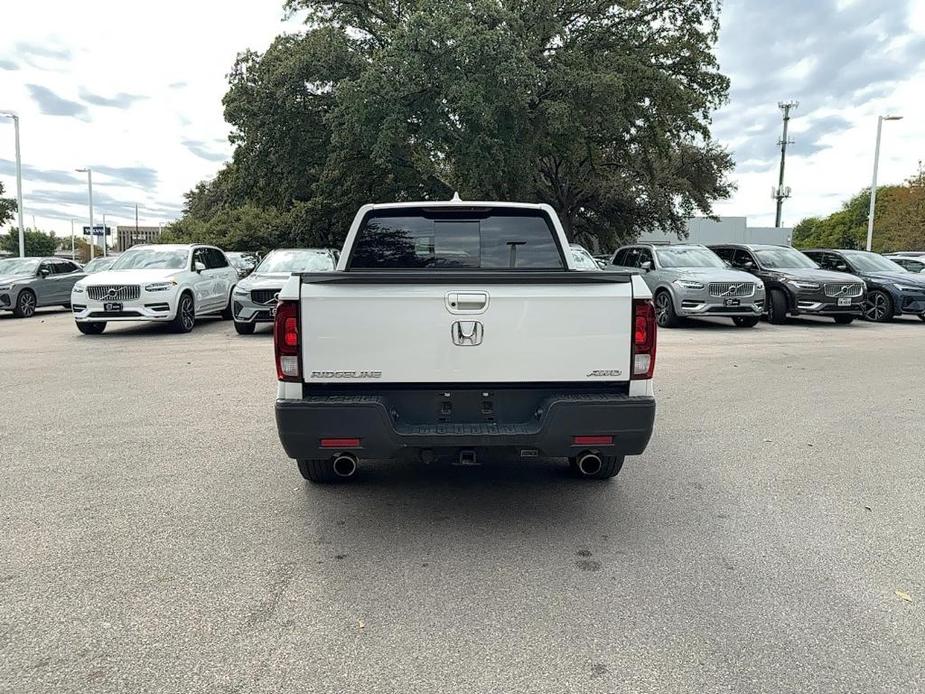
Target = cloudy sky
(134,91)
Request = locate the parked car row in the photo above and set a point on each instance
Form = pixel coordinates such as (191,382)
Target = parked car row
(170,284)
(747,281)
(176,283)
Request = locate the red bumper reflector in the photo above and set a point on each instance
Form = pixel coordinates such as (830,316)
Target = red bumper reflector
(592,440)
(340,443)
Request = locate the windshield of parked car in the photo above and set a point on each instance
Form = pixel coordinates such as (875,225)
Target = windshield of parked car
(296,261)
(688,257)
(783,258)
(99,264)
(19,266)
(153,259)
(241,259)
(871,262)
(582,259)
(489,239)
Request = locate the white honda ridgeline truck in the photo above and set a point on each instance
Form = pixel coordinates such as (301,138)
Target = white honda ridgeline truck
(458,330)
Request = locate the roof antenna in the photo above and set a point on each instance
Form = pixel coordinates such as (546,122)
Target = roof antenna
(456,197)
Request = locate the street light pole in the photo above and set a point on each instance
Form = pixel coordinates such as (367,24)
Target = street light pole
(104,234)
(73,254)
(89,173)
(873,183)
(22,238)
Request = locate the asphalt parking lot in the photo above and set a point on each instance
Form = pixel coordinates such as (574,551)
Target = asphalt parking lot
(156,538)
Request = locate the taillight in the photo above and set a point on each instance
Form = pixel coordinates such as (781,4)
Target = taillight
(287,341)
(644,327)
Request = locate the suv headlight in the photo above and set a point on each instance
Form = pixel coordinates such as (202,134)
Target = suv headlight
(238,291)
(6,287)
(160,286)
(689,284)
(900,287)
(77,289)
(805,285)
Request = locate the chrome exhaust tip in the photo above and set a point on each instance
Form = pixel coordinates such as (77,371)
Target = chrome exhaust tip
(345,465)
(589,464)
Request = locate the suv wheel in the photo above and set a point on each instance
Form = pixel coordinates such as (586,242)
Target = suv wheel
(665,314)
(25,304)
(777,307)
(745,321)
(878,307)
(92,328)
(227,313)
(185,320)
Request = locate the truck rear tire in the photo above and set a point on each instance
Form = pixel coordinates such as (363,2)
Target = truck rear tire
(244,328)
(324,472)
(610,467)
(745,321)
(844,320)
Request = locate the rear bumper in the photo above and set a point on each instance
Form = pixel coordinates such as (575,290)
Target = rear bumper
(303,423)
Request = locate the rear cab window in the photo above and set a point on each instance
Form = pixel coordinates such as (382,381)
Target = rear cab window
(475,239)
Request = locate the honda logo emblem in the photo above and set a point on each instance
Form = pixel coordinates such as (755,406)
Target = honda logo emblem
(467,333)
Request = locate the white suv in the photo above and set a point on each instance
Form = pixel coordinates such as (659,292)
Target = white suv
(162,283)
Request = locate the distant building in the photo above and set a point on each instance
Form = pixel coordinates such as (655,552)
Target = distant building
(724,230)
(131,235)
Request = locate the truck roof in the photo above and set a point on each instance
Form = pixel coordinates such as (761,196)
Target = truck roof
(456,202)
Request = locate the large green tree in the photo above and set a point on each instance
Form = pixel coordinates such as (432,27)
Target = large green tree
(601,109)
(7,208)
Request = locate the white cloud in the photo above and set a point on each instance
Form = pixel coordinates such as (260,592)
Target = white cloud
(148,80)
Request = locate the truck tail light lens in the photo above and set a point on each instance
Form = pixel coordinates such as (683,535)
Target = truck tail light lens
(592,440)
(644,339)
(340,443)
(287,341)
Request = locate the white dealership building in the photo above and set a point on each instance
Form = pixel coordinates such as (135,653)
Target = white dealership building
(724,230)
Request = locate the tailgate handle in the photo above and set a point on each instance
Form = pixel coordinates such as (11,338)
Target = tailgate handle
(466,302)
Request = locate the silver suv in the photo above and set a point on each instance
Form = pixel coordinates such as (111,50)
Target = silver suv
(691,280)
(254,299)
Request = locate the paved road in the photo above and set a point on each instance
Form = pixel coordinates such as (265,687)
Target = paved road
(156,539)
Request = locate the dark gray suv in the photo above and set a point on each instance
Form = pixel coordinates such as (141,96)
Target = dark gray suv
(30,283)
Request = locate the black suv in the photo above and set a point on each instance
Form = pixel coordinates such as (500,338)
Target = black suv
(794,284)
(891,289)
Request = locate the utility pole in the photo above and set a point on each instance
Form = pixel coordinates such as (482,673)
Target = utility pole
(73,254)
(89,173)
(781,193)
(104,235)
(22,242)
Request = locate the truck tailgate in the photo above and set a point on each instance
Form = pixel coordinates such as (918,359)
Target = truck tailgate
(525,331)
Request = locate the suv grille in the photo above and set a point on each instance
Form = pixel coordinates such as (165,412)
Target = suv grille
(837,290)
(264,296)
(114,292)
(725,289)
